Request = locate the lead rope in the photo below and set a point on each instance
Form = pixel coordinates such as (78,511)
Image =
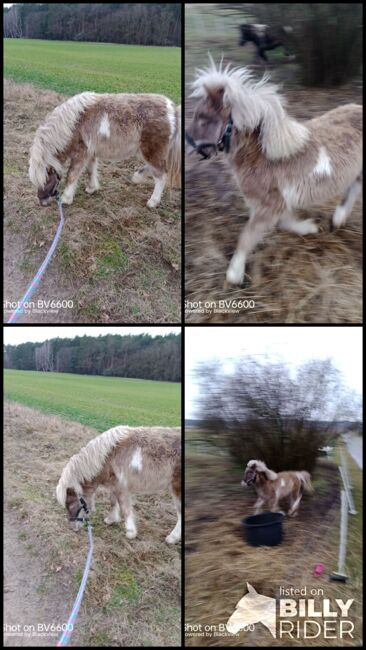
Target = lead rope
(66,635)
(38,277)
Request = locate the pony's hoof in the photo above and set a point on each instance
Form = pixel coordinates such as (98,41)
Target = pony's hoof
(91,190)
(137,178)
(131,534)
(111,520)
(67,200)
(152,204)
(172,539)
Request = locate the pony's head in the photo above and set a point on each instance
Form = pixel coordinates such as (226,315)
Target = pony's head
(46,193)
(253,106)
(256,469)
(75,502)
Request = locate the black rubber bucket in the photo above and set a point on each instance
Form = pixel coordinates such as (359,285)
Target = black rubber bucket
(264,529)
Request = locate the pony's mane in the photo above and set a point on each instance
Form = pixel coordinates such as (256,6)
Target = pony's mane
(54,135)
(89,461)
(253,104)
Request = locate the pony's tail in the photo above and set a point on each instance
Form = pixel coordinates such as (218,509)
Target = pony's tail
(305,479)
(174,161)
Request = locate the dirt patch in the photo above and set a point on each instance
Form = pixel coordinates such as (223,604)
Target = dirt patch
(133,591)
(117,261)
(219,562)
(25,606)
(289,279)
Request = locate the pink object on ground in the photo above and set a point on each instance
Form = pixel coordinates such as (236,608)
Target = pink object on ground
(318,570)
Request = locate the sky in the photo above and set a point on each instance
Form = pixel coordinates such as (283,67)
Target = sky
(293,344)
(15,335)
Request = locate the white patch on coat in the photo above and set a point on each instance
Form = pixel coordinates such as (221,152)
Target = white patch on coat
(323,166)
(171,116)
(282,482)
(104,127)
(136,460)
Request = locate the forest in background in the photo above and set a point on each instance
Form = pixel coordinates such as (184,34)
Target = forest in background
(129,23)
(141,356)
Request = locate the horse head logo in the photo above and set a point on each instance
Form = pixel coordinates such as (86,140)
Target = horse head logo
(251,609)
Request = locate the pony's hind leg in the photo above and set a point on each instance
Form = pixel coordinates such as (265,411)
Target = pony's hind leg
(343,210)
(141,174)
(290,223)
(160,182)
(92,169)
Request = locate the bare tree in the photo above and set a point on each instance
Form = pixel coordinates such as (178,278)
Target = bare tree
(263,409)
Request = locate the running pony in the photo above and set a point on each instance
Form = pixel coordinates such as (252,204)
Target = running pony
(279,163)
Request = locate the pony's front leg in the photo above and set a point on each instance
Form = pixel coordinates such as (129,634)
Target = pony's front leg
(175,535)
(258,505)
(125,503)
(252,234)
(92,169)
(160,182)
(114,516)
(75,170)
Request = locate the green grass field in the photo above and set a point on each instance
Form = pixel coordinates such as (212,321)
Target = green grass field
(70,68)
(99,402)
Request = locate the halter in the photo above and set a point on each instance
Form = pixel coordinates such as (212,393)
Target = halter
(82,507)
(221,145)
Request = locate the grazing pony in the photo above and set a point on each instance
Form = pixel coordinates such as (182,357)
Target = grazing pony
(264,38)
(272,487)
(279,163)
(123,460)
(90,126)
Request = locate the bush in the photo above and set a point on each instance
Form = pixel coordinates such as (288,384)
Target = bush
(261,410)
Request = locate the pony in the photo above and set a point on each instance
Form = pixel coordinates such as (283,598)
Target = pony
(123,460)
(279,163)
(113,127)
(271,487)
(264,38)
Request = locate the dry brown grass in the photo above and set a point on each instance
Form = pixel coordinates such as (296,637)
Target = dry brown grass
(292,279)
(133,591)
(117,260)
(219,562)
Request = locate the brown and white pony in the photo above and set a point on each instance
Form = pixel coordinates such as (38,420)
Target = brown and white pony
(90,126)
(124,460)
(271,487)
(279,163)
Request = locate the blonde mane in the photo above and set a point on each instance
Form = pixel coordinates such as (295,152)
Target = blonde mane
(54,135)
(89,461)
(254,104)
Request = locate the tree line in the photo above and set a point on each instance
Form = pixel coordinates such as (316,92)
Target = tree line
(141,356)
(130,23)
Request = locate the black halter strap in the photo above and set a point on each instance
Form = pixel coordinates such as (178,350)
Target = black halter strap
(222,145)
(83,506)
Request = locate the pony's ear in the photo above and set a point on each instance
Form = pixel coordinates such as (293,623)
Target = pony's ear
(216,96)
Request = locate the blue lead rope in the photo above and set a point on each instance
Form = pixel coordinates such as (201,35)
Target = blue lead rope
(38,277)
(66,635)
